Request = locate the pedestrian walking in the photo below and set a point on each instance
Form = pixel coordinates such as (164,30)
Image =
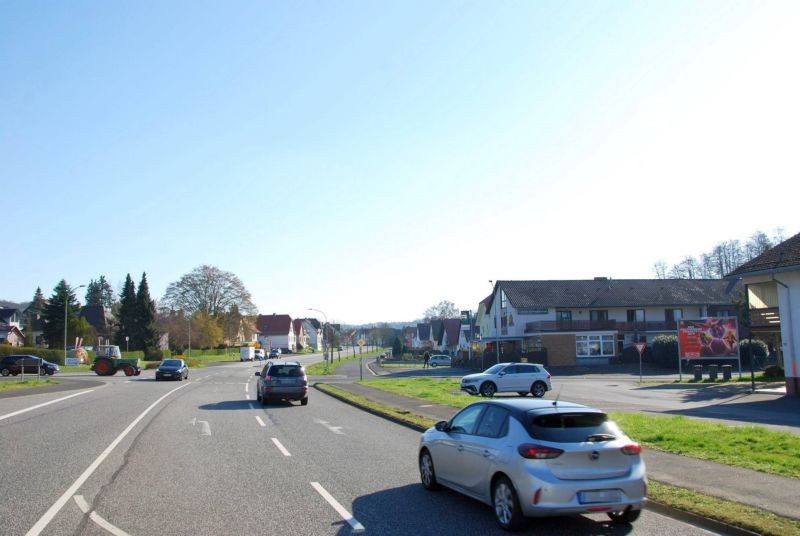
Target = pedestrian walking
(427,359)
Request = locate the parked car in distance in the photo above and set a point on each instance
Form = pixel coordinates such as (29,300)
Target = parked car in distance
(29,364)
(282,380)
(440,361)
(259,354)
(172,369)
(535,458)
(520,378)
(274,353)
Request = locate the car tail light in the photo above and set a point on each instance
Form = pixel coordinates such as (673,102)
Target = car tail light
(538,452)
(632,450)
(537,496)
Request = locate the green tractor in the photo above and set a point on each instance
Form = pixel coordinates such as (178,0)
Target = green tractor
(109,360)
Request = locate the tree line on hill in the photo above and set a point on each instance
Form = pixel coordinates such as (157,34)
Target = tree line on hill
(723,258)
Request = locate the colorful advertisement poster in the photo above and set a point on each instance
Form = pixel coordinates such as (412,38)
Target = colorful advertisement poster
(709,338)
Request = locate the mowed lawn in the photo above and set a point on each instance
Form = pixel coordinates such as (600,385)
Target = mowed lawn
(750,447)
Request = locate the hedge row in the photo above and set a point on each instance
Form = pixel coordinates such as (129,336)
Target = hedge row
(57,356)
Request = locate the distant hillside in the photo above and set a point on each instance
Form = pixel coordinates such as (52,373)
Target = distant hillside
(5,304)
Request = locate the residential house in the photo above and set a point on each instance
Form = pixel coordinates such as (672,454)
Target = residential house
(772,283)
(99,318)
(453,338)
(314,332)
(408,336)
(437,332)
(423,339)
(10,332)
(300,337)
(276,331)
(590,322)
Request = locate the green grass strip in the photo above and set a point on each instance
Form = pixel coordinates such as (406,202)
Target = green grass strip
(13,385)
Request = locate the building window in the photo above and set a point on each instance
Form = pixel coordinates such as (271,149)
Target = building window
(564,315)
(673,315)
(503,301)
(594,346)
(598,315)
(636,315)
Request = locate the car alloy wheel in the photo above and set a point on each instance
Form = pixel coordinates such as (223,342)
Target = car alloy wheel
(5,372)
(538,390)
(488,389)
(426,471)
(506,505)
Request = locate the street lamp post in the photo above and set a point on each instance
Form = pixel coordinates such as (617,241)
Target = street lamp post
(127,346)
(323,334)
(66,306)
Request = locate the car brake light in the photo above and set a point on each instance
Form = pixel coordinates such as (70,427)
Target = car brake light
(632,449)
(538,452)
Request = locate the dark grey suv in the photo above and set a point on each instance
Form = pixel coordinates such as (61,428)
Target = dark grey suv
(282,380)
(14,364)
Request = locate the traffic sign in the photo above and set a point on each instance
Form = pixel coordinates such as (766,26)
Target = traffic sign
(361,342)
(640,346)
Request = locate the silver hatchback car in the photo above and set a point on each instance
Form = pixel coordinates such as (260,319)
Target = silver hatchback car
(282,380)
(532,458)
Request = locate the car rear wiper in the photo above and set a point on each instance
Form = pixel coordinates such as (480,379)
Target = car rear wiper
(601,437)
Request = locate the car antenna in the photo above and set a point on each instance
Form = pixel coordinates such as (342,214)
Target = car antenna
(555,402)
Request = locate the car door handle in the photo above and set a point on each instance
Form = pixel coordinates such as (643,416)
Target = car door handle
(486,453)
(460,448)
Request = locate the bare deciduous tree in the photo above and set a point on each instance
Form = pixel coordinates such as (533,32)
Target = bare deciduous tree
(443,309)
(207,289)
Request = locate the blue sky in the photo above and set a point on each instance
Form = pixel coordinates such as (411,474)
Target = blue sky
(371,159)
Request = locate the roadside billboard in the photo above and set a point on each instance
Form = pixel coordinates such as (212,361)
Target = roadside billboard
(708,338)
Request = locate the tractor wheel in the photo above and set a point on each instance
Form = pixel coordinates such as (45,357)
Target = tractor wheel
(128,370)
(103,367)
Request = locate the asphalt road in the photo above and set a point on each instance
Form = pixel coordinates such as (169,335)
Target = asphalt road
(135,456)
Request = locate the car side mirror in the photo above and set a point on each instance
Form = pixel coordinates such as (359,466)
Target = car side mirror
(442,426)
(258,374)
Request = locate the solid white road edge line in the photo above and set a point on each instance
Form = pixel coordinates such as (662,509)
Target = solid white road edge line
(260,421)
(8,415)
(280,447)
(347,516)
(94,516)
(59,504)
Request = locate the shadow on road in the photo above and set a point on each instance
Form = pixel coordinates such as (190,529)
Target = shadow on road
(413,510)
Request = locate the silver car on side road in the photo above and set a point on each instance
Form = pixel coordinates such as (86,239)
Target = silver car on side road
(520,378)
(527,457)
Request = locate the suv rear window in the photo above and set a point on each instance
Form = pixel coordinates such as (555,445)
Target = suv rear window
(285,370)
(575,427)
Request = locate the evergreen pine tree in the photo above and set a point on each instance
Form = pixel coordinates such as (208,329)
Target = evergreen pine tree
(106,292)
(146,334)
(93,296)
(62,300)
(126,320)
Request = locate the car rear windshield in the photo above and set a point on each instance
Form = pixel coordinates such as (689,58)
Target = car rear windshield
(285,370)
(572,427)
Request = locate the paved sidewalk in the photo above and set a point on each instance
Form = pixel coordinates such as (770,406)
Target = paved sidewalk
(776,494)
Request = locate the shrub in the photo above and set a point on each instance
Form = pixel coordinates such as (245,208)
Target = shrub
(149,365)
(54,356)
(665,351)
(774,372)
(758,348)
(158,355)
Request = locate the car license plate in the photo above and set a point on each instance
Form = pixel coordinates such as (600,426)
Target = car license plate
(599,496)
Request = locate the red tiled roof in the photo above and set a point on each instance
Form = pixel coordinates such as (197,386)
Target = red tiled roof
(274,324)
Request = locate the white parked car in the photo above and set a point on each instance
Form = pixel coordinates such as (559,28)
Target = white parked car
(520,378)
(440,360)
(534,458)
